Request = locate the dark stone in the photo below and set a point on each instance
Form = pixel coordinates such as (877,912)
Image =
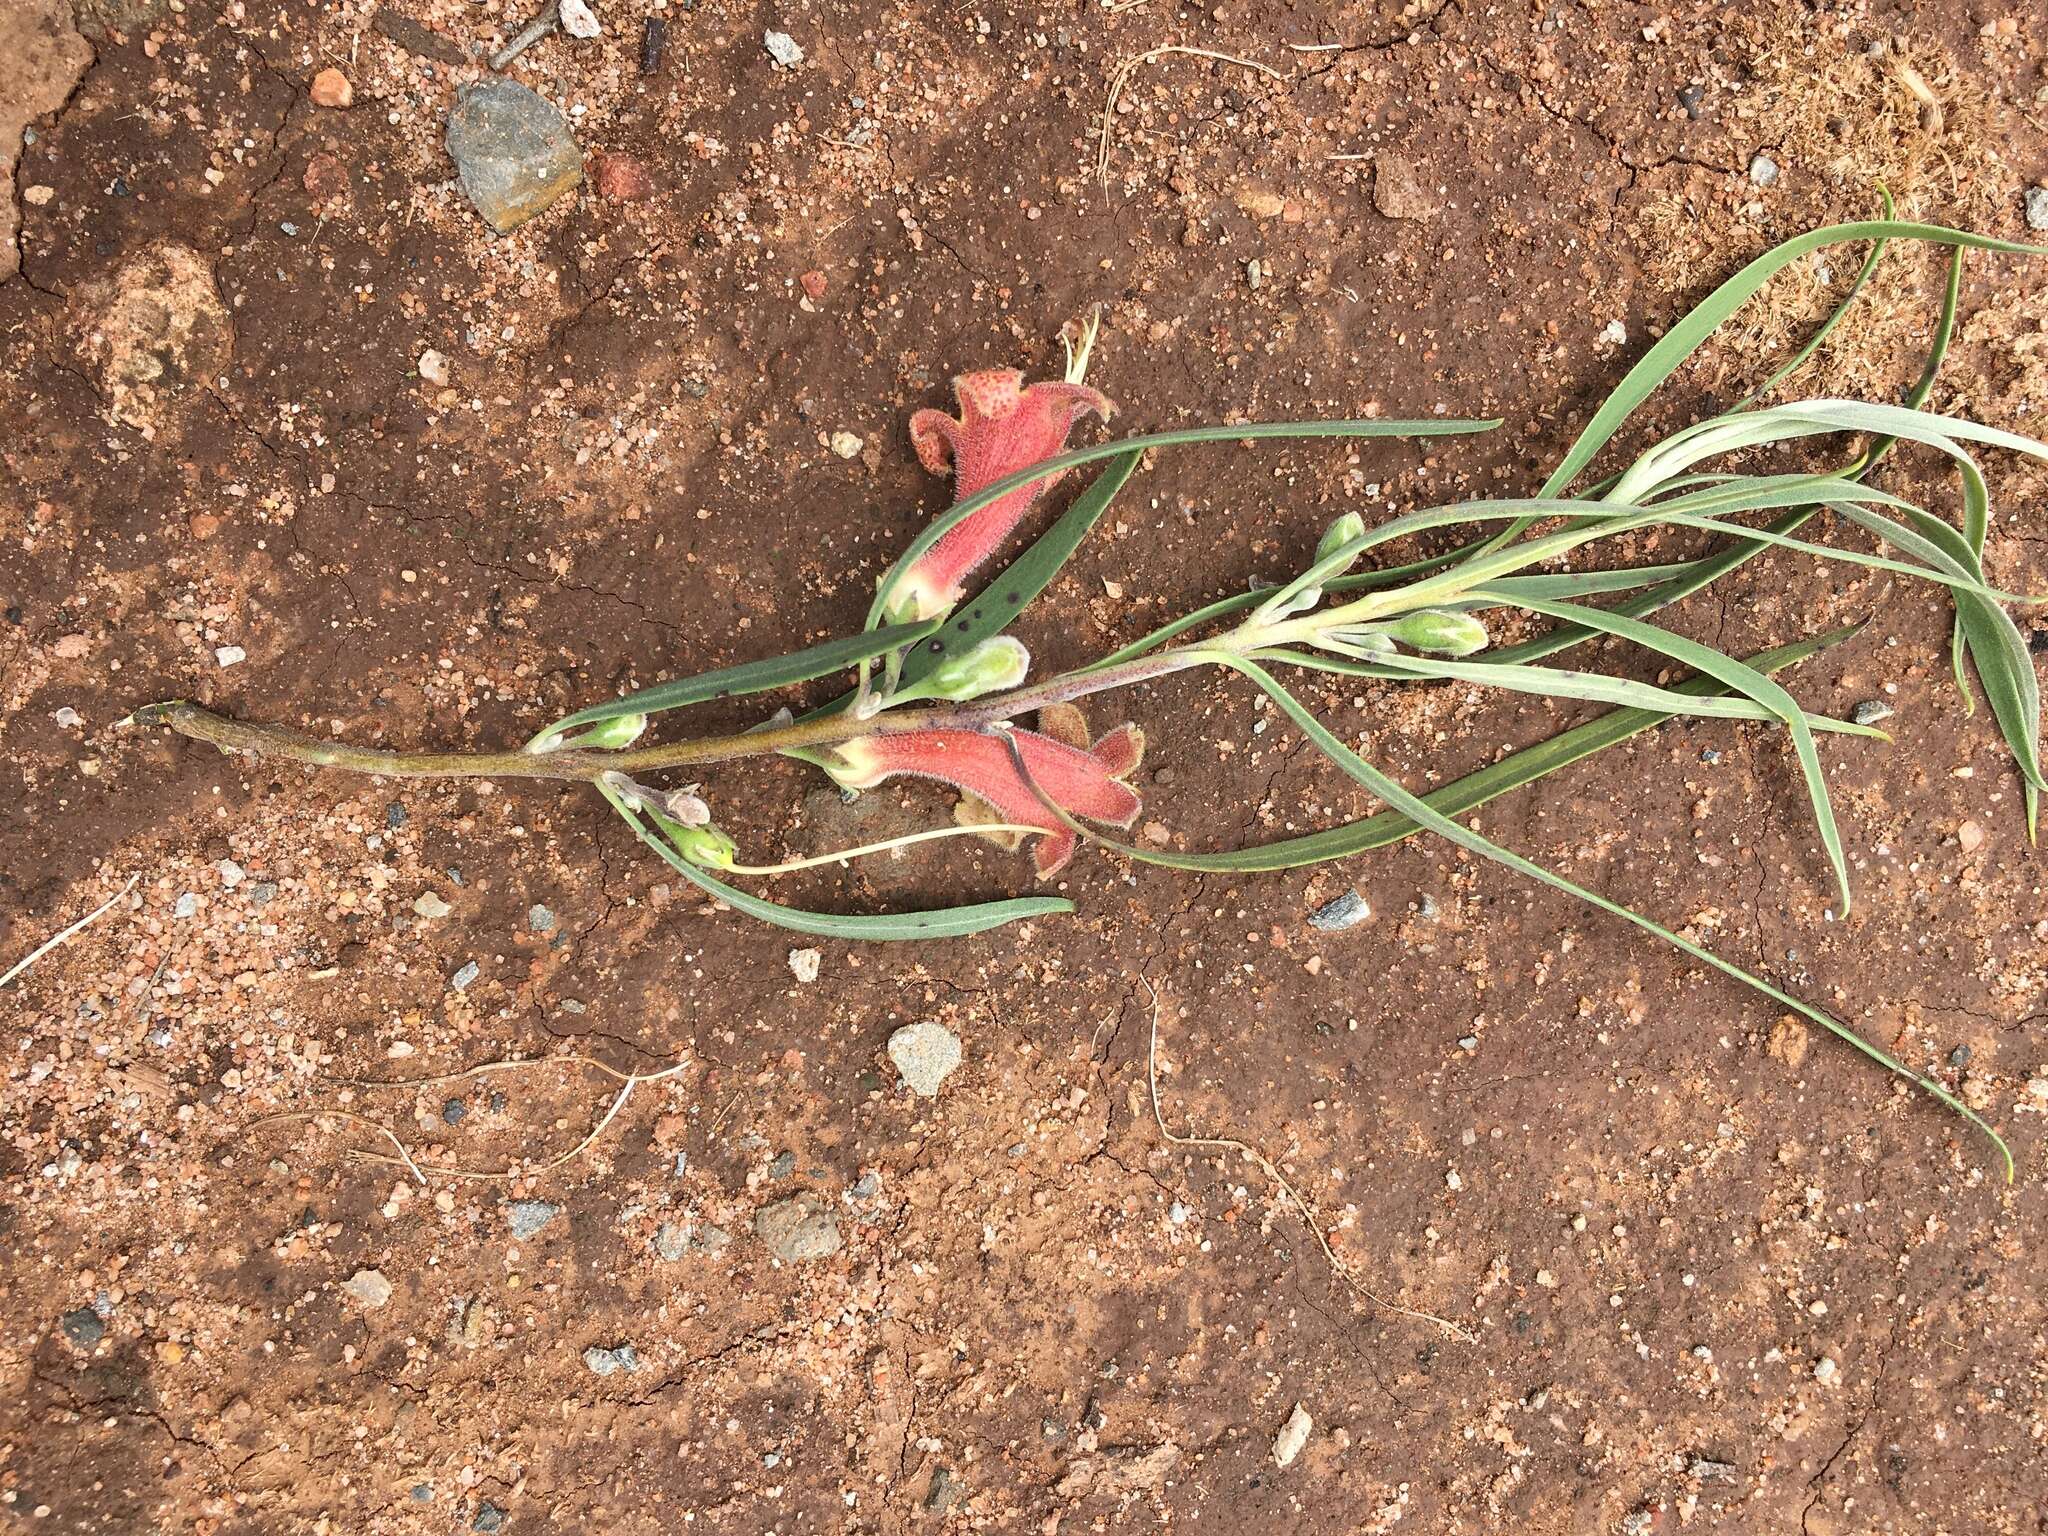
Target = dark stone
(84,1327)
(653,44)
(414,38)
(453,1111)
(488,1517)
(513,151)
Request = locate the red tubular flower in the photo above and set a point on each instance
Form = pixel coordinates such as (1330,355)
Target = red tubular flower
(1084,782)
(1002,427)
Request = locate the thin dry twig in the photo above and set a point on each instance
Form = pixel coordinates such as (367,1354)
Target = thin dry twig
(549,18)
(54,940)
(404,1157)
(1124,72)
(628,1082)
(1307,1212)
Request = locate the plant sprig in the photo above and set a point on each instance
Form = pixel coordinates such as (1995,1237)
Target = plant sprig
(954,684)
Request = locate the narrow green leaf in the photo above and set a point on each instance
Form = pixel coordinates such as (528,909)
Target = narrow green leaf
(1684,338)
(751,676)
(1414,806)
(1222,434)
(1798,359)
(1600,688)
(998,604)
(941,923)
(1744,679)
(1454,799)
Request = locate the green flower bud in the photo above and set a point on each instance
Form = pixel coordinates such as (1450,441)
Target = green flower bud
(610,735)
(1348,527)
(706,845)
(1440,633)
(1364,639)
(989,667)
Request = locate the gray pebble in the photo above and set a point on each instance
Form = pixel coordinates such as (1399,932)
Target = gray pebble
(783,49)
(603,1362)
(423,1493)
(461,979)
(1346,911)
(783,1166)
(540,919)
(394,816)
(677,1240)
(2037,208)
(453,1111)
(231,873)
(1763,170)
(83,1327)
(869,1186)
(529,1216)
(1706,1469)
(794,1233)
(943,1491)
(512,150)
(1959,1057)
(488,1516)
(926,1054)
(187,905)
(263,892)
(1870,711)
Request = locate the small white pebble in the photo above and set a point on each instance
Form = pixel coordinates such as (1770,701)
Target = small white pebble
(1826,1371)
(434,367)
(1292,1437)
(230,655)
(803,965)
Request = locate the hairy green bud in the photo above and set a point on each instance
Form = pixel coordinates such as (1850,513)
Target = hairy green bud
(1440,633)
(1348,527)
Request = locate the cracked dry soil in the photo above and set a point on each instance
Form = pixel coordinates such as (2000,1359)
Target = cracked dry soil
(1722,1277)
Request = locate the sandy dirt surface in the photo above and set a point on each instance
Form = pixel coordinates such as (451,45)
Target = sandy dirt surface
(1707,1273)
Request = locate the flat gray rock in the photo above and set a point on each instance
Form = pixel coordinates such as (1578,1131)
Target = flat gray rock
(527,1217)
(794,1233)
(513,151)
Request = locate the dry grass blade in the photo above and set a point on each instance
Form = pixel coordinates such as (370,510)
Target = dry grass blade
(628,1081)
(76,928)
(1125,70)
(1306,1211)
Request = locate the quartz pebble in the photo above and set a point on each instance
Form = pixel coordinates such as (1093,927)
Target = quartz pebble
(1763,170)
(603,1362)
(803,965)
(783,49)
(926,1054)
(579,20)
(368,1287)
(1292,1437)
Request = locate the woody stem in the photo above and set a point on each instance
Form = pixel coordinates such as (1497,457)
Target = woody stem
(275,741)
